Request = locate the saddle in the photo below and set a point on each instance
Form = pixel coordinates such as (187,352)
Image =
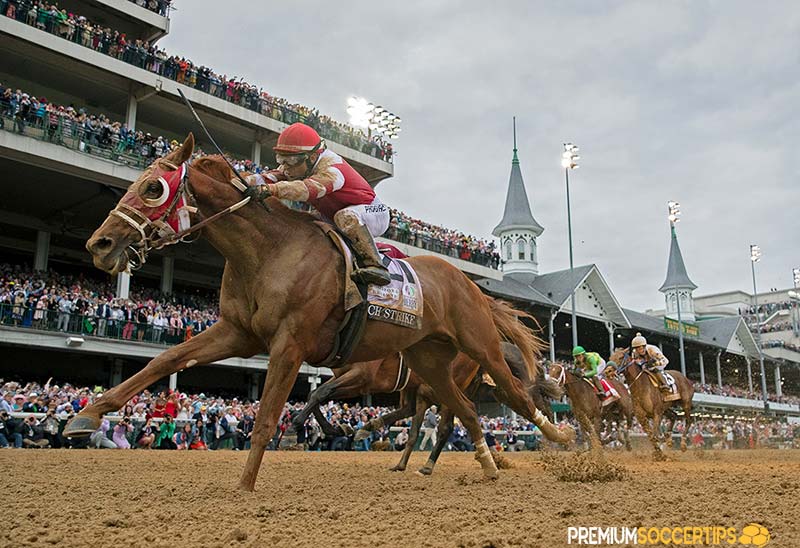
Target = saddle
(399,303)
(670,393)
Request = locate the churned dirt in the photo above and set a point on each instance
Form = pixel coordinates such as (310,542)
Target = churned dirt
(97,498)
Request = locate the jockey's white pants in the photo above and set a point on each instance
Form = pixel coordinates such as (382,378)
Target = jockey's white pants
(374,216)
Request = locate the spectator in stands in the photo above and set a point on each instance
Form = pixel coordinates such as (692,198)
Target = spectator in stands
(513,443)
(32,433)
(166,432)
(6,434)
(401,440)
(428,428)
(50,425)
(121,432)
(147,435)
(99,440)
(185,437)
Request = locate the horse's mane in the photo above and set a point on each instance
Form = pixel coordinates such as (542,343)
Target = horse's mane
(215,167)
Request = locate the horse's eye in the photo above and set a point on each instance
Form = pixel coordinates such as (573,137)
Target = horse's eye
(154,187)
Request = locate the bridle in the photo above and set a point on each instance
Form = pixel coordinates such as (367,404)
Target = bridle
(561,379)
(158,233)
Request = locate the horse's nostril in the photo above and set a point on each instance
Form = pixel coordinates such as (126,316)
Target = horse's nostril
(101,244)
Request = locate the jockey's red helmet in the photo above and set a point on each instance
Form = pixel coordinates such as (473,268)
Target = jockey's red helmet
(298,138)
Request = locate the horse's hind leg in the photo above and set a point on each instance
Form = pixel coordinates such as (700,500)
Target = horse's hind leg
(490,357)
(409,398)
(431,360)
(687,413)
(416,423)
(443,431)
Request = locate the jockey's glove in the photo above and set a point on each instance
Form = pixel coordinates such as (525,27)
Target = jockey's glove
(259,192)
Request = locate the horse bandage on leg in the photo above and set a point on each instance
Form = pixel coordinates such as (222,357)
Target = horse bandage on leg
(482,450)
(539,419)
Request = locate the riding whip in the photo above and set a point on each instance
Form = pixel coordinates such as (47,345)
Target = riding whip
(210,138)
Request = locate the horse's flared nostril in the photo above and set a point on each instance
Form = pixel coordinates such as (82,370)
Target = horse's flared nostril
(99,245)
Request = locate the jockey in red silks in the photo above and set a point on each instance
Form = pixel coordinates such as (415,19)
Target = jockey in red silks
(309,172)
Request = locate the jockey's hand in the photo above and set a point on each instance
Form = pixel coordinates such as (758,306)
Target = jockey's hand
(275,175)
(259,192)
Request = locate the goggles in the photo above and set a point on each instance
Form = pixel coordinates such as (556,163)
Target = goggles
(291,160)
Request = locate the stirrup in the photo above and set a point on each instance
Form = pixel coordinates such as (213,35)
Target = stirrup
(372,275)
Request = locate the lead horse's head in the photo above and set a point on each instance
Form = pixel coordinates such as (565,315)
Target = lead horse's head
(154,206)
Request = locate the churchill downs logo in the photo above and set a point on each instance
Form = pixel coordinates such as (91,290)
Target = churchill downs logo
(752,534)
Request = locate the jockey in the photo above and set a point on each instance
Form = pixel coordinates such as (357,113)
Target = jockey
(649,357)
(309,172)
(592,365)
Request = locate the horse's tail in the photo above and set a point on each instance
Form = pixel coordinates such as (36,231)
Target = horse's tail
(508,322)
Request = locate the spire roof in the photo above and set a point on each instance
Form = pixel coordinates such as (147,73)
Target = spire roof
(676,269)
(517,213)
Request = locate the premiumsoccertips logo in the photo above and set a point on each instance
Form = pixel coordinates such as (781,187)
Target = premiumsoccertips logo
(752,534)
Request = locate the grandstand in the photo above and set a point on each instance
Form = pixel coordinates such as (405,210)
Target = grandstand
(60,179)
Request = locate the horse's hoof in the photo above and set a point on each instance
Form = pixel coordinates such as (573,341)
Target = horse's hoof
(362,434)
(397,468)
(81,426)
(658,456)
(491,476)
(425,471)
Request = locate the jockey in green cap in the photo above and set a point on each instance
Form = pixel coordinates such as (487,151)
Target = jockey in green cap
(592,365)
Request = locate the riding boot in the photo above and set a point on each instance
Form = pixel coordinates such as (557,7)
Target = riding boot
(664,386)
(599,386)
(372,270)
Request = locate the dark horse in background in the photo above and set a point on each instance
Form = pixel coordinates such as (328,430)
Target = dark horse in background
(588,408)
(283,292)
(648,401)
(387,375)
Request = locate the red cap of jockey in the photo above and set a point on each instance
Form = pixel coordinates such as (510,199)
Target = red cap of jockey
(297,139)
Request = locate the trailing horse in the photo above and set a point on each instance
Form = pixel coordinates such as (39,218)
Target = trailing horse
(648,402)
(588,408)
(283,291)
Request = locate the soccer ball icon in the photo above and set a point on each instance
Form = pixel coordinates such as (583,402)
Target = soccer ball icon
(754,534)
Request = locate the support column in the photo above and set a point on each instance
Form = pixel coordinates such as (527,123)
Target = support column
(719,369)
(253,387)
(702,369)
(368,400)
(610,328)
(167,274)
(749,374)
(778,389)
(256,154)
(173,381)
(123,285)
(42,250)
(130,117)
(661,346)
(116,372)
(552,335)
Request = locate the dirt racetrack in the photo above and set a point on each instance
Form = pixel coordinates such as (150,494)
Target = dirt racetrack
(134,498)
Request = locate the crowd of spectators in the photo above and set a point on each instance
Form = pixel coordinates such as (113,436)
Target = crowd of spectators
(32,415)
(148,56)
(405,229)
(161,7)
(82,304)
(95,134)
(731,391)
(780,344)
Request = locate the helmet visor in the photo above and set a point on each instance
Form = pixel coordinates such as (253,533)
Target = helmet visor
(291,160)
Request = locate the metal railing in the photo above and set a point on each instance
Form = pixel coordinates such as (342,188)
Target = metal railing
(76,323)
(463,251)
(147,57)
(74,135)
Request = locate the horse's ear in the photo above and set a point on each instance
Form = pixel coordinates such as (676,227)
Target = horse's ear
(183,152)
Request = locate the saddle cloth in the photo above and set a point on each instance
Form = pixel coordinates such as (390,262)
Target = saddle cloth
(400,302)
(673,393)
(607,386)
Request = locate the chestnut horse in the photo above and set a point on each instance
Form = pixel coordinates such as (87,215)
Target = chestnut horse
(588,408)
(648,402)
(385,376)
(283,291)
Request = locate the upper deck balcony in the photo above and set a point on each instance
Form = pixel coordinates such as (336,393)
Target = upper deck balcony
(67,72)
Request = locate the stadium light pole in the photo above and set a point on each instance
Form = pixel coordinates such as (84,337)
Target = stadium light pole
(755,256)
(373,117)
(569,160)
(794,298)
(674,217)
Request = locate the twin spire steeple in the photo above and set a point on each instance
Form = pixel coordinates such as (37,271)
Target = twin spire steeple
(518,229)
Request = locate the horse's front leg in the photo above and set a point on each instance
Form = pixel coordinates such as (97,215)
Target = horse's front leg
(286,356)
(220,341)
